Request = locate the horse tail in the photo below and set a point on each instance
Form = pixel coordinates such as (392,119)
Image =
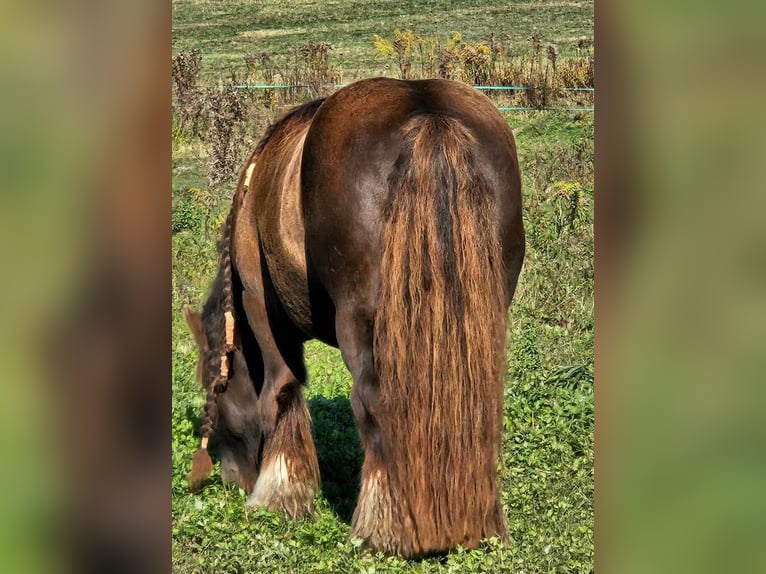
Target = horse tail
(439,339)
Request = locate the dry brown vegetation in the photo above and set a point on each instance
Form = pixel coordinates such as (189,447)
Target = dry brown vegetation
(225,117)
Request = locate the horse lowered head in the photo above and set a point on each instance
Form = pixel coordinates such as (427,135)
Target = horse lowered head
(231,409)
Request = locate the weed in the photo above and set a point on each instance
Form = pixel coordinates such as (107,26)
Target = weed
(185,71)
(187,215)
(260,68)
(547,76)
(225,135)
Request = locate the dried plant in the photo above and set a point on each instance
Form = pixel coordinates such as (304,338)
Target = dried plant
(225,122)
(313,69)
(448,56)
(225,134)
(188,104)
(542,70)
(401,46)
(477,63)
(260,68)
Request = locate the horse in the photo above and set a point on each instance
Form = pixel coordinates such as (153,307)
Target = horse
(385,220)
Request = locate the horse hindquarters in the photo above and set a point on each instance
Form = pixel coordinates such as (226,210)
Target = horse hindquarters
(427,354)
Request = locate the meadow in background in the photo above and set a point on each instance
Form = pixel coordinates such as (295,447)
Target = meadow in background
(546,469)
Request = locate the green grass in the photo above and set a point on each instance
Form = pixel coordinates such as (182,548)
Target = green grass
(226,31)
(547,464)
(547,456)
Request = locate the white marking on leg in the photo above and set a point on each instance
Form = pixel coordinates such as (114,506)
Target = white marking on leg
(373,519)
(278,489)
(273,479)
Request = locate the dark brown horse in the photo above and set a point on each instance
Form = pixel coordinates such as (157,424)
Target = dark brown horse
(384,220)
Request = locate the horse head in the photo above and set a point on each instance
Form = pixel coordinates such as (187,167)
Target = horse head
(231,410)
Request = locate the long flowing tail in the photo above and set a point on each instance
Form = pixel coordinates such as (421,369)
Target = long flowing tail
(439,339)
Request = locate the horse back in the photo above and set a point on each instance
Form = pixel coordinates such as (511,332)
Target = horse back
(350,155)
(412,211)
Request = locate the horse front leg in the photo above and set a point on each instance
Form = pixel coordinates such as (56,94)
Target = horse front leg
(289,471)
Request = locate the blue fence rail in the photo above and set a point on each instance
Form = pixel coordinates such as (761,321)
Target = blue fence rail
(478,87)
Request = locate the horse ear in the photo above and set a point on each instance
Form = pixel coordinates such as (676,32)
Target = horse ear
(196,327)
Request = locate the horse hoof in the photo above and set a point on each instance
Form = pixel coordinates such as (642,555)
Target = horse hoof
(279,490)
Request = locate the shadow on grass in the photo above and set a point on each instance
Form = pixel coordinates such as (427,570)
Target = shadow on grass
(339,453)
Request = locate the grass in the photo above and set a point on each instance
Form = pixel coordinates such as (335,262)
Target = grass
(547,463)
(227,31)
(547,466)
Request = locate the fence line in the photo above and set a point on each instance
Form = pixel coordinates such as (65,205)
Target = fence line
(478,87)
(518,108)
(520,88)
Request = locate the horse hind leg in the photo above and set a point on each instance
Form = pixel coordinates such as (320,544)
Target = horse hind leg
(289,470)
(377,519)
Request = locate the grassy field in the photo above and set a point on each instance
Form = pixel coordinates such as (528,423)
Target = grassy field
(547,464)
(227,31)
